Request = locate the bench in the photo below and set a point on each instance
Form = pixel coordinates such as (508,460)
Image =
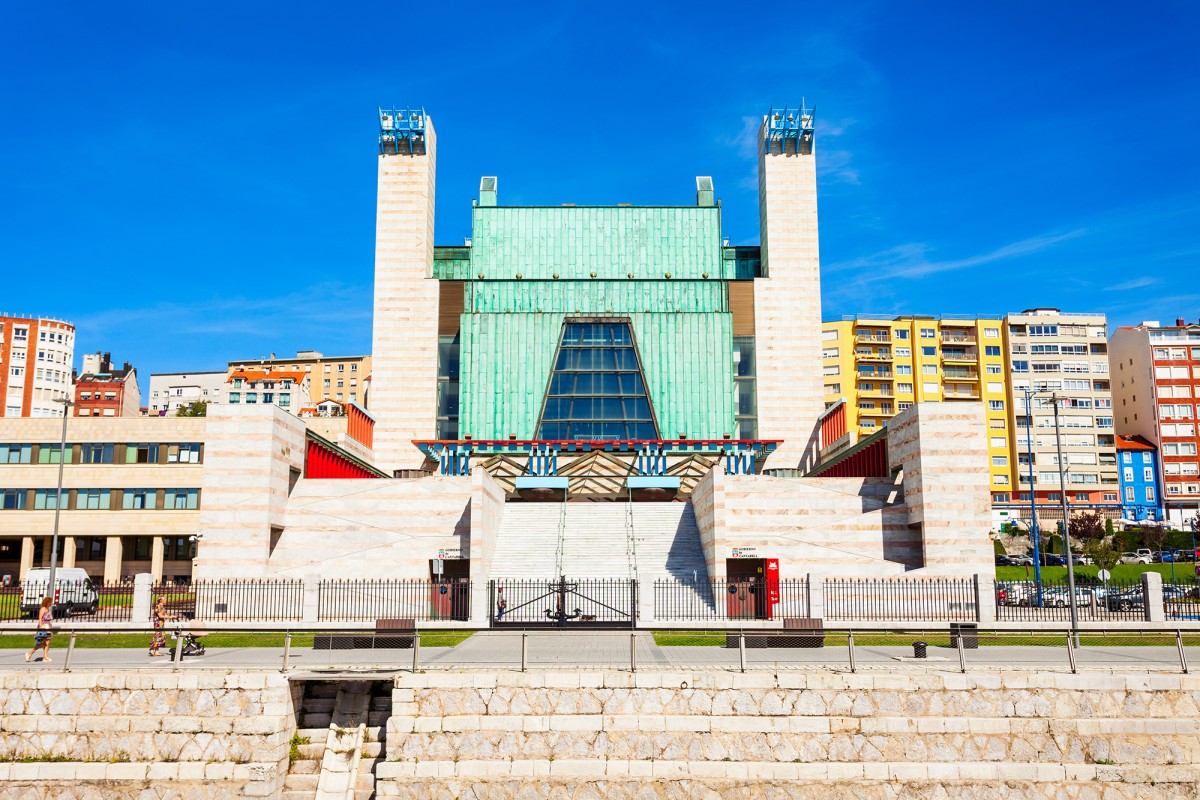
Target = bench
(809,633)
(389,634)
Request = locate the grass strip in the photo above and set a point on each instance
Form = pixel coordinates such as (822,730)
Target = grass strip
(134,641)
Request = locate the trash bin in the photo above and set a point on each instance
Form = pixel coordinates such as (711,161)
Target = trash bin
(919,649)
(969,632)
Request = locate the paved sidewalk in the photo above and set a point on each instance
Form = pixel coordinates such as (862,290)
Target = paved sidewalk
(606,650)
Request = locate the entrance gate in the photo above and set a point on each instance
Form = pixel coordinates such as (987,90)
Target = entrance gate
(563,603)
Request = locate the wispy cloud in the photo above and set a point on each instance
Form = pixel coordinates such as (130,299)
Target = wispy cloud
(1136,283)
(913,260)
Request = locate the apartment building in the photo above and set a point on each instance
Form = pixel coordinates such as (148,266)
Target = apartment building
(882,365)
(274,387)
(341,378)
(1141,492)
(35,366)
(1156,377)
(1063,357)
(130,501)
(101,391)
(170,391)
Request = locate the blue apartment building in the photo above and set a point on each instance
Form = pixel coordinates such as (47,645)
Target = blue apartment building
(1141,490)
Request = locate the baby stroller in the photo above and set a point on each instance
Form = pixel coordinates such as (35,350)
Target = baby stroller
(189,640)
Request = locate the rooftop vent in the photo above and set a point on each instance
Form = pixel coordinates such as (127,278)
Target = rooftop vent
(704,190)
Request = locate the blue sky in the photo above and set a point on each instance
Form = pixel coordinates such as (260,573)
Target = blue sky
(192,183)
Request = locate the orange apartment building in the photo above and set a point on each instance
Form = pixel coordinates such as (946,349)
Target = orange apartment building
(35,366)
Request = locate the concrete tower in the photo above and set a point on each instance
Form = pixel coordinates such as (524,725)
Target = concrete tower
(405,340)
(787,299)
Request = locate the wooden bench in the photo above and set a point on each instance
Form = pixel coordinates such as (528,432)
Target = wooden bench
(809,633)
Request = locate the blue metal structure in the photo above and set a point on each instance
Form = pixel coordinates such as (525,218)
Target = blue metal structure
(543,460)
(402,130)
(793,125)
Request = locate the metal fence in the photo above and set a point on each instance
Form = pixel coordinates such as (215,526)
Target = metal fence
(251,600)
(901,600)
(82,600)
(1021,601)
(719,599)
(367,600)
(563,601)
(1181,601)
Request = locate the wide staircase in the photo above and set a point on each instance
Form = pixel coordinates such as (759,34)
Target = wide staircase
(594,541)
(340,740)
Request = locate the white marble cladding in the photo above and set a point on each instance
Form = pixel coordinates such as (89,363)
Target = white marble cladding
(941,451)
(793,734)
(787,307)
(405,339)
(372,528)
(250,453)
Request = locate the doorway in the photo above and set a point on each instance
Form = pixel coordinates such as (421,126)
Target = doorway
(450,588)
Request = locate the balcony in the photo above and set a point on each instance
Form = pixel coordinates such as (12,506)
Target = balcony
(866,355)
(960,355)
(958,337)
(879,374)
(869,338)
(961,374)
(883,411)
(882,391)
(961,394)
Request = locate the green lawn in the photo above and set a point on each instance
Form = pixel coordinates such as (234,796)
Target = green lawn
(1122,573)
(942,639)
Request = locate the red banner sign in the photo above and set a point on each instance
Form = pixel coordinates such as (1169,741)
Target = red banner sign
(772,586)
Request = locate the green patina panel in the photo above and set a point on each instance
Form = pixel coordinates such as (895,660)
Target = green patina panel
(611,241)
(596,297)
(452,263)
(687,359)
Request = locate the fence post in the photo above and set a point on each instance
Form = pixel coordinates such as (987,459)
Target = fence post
(633,652)
(177,656)
(143,588)
(1071,652)
(524,649)
(311,608)
(850,645)
(1178,643)
(816,596)
(742,650)
(416,651)
(1152,595)
(962,653)
(985,599)
(287,650)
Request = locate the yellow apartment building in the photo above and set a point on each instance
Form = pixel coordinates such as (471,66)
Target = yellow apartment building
(882,365)
(341,378)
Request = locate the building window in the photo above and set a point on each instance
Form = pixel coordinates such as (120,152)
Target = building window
(96,454)
(929,351)
(139,499)
(928,333)
(449,348)
(995,405)
(141,454)
(51,454)
(999,461)
(235,398)
(180,499)
(92,499)
(12,499)
(183,453)
(903,352)
(991,333)
(992,350)
(1150,494)
(15,453)
(596,388)
(904,388)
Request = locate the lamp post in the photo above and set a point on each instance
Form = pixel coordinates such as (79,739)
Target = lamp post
(62,460)
(1066,526)
(1034,534)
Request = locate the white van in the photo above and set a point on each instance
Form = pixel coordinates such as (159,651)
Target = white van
(75,594)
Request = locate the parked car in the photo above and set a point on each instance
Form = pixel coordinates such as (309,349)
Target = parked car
(1177,556)
(1051,560)
(1133,558)
(1175,592)
(1125,601)
(1060,597)
(1014,594)
(75,592)
(1079,560)
(1021,560)
(1146,553)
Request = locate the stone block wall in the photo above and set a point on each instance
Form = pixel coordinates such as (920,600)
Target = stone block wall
(792,735)
(117,735)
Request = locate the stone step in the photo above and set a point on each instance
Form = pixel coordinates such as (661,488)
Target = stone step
(376,733)
(320,690)
(297,794)
(372,750)
(378,717)
(311,752)
(316,704)
(316,720)
(301,782)
(304,767)
(314,735)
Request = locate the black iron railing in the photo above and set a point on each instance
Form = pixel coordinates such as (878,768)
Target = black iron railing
(901,600)
(250,600)
(563,601)
(720,599)
(1020,601)
(366,600)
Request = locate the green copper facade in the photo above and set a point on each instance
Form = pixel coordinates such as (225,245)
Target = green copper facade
(528,270)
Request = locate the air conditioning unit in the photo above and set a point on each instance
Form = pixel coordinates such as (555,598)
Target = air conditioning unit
(386,121)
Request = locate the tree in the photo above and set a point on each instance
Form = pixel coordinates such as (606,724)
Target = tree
(1088,526)
(1102,553)
(197,408)
(1154,537)
(1108,527)
(998,547)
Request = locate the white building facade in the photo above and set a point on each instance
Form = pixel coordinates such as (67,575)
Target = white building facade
(170,391)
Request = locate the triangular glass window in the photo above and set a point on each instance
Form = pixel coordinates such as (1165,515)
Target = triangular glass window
(597,390)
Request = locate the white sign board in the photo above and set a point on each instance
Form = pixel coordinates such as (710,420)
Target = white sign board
(449,552)
(744,552)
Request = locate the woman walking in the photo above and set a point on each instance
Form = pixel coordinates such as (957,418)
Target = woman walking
(45,619)
(160,616)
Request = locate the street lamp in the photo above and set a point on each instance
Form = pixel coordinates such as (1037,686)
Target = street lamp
(1034,534)
(1066,525)
(62,460)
